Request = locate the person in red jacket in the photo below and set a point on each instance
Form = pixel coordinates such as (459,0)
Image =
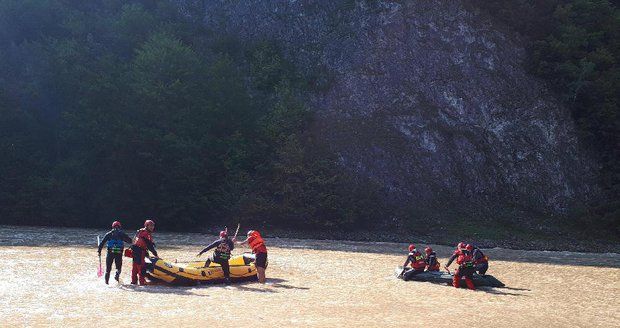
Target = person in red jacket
(142,243)
(431,260)
(256,242)
(466,266)
(416,259)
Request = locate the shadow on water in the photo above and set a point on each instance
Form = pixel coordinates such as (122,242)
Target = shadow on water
(246,286)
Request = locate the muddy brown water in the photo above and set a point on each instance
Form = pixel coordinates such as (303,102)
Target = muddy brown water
(49,279)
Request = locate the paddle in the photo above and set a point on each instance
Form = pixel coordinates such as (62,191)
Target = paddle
(100,271)
(237,231)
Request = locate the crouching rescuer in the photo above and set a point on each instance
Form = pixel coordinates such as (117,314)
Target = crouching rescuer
(142,244)
(256,242)
(115,241)
(466,269)
(417,261)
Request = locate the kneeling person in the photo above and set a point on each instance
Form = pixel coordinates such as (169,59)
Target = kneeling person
(416,259)
(431,260)
(481,261)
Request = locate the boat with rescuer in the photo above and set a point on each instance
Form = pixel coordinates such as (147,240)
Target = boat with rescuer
(194,273)
(441,277)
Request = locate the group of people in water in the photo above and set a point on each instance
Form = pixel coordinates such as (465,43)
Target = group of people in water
(469,259)
(142,244)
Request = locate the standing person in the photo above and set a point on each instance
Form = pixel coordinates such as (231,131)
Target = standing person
(466,266)
(256,242)
(142,243)
(431,260)
(481,261)
(115,240)
(221,255)
(416,259)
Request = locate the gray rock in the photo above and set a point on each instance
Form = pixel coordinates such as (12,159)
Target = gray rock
(427,98)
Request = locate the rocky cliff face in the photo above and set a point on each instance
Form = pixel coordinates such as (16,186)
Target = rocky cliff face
(426,97)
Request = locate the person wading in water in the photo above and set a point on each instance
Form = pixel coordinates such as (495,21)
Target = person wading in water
(115,240)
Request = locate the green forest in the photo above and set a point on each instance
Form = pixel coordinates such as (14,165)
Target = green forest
(132,109)
(127,109)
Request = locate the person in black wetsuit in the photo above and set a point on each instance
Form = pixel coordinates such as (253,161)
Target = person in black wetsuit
(431,260)
(481,261)
(221,255)
(115,240)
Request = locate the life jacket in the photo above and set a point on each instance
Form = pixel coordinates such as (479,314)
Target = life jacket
(434,267)
(223,250)
(479,257)
(115,243)
(257,243)
(417,261)
(142,236)
(464,259)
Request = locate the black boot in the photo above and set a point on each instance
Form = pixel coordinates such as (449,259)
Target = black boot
(107,277)
(117,275)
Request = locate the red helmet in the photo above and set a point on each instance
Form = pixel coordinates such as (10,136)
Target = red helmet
(223,234)
(116,224)
(148,223)
(461,245)
(428,250)
(411,247)
(469,247)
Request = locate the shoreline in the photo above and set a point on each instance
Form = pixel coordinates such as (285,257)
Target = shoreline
(85,236)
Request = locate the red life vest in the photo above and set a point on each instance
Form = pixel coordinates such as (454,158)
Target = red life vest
(436,266)
(257,243)
(141,236)
(464,259)
(417,262)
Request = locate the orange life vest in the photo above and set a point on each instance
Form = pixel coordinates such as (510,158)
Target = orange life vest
(464,259)
(418,261)
(257,243)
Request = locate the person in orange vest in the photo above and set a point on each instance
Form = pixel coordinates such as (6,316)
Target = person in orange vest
(256,242)
(416,259)
(481,261)
(464,259)
(142,243)
(431,260)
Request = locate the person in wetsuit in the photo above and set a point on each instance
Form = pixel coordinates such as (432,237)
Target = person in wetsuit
(142,244)
(115,240)
(463,258)
(481,261)
(431,260)
(221,255)
(416,259)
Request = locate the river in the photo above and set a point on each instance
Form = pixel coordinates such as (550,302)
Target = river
(49,279)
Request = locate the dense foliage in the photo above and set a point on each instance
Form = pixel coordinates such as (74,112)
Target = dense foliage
(575,46)
(129,109)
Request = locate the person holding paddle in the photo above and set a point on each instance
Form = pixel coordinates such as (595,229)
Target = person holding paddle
(221,255)
(115,240)
(256,242)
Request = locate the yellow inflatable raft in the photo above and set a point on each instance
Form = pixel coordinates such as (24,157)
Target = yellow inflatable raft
(191,273)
